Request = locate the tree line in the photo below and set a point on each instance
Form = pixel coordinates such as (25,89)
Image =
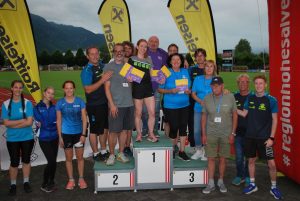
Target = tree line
(243,56)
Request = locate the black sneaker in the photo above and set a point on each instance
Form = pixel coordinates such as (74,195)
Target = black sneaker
(128,151)
(174,153)
(97,157)
(182,155)
(27,187)
(12,190)
(44,187)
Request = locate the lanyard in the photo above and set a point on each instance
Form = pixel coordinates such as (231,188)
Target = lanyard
(219,105)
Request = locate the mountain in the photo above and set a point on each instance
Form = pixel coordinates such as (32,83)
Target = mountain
(50,36)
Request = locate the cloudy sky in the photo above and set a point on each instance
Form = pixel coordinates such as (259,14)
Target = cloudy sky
(234,19)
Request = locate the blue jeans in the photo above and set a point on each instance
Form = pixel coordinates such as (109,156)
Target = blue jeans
(157,112)
(197,129)
(241,162)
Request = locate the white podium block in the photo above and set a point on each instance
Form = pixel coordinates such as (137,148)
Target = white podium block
(120,176)
(115,180)
(189,178)
(154,164)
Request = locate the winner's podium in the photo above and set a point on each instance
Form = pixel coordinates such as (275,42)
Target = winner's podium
(153,163)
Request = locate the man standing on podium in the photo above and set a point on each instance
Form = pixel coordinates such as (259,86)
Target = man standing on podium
(120,103)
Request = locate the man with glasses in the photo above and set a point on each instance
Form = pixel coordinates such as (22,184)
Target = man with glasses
(121,110)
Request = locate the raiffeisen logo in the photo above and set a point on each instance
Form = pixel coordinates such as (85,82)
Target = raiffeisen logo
(117,15)
(186,34)
(18,60)
(192,5)
(8,5)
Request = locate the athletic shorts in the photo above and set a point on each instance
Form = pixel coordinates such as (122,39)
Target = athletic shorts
(254,147)
(70,140)
(178,120)
(123,121)
(17,149)
(98,118)
(141,91)
(217,146)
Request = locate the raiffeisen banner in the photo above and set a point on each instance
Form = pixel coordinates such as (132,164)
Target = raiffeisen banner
(195,23)
(115,20)
(16,39)
(284,40)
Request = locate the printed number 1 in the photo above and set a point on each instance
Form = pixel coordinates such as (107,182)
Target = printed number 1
(153,154)
(115,179)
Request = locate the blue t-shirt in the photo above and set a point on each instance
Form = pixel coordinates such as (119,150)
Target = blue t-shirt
(178,100)
(71,115)
(201,87)
(17,134)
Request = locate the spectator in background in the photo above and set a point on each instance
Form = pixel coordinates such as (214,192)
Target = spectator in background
(17,115)
(242,173)
(196,70)
(93,78)
(201,88)
(128,50)
(45,117)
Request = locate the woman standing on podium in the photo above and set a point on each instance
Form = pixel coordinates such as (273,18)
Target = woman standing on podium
(176,92)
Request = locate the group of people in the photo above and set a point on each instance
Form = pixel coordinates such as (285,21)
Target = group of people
(191,98)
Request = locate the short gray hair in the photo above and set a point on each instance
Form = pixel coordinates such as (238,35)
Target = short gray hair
(242,75)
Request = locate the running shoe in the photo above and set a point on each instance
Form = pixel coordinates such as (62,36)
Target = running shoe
(208,189)
(182,155)
(276,193)
(237,181)
(12,190)
(111,160)
(250,189)
(27,187)
(122,158)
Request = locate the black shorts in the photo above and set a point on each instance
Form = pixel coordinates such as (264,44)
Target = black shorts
(257,146)
(178,120)
(70,140)
(141,91)
(23,148)
(164,112)
(98,118)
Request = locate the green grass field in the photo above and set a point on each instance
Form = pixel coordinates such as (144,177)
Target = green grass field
(56,78)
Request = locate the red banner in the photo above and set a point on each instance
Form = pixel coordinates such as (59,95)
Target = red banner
(284,32)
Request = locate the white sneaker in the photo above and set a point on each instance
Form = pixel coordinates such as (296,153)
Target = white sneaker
(198,154)
(192,150)
(122,158)
(203,158)
(111,160)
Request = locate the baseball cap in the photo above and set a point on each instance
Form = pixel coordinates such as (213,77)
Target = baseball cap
(216,80)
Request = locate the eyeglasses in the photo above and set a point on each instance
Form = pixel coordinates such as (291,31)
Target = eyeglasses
(119,52)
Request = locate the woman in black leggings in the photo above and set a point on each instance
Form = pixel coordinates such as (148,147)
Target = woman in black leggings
(17,115)
(45,117)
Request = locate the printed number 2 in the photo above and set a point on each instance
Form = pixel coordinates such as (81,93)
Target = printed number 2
(192,177)
(115,179)
(153,154)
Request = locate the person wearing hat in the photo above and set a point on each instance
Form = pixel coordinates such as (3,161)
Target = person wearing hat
(219,122)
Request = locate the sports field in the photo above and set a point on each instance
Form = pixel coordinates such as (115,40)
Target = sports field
(56,78)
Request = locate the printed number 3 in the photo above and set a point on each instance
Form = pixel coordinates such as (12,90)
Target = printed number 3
(192,177)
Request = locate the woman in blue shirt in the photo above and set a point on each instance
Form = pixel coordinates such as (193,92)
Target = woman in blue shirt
(45,118)
(71,127)
(17,115)
(201,87)
(176,92)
